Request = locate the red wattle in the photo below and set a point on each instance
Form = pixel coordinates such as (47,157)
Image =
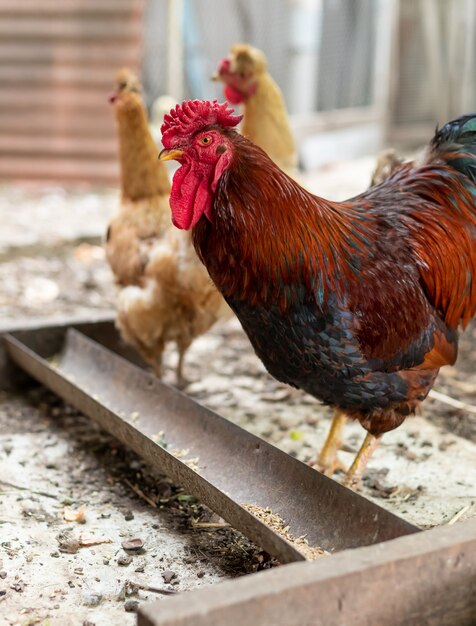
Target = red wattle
(190,197)
(193,190)
(233,95)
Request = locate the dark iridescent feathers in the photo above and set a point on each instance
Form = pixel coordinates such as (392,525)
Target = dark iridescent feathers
(188,117)
(455,143)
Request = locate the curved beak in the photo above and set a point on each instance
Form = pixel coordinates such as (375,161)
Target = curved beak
(169,154)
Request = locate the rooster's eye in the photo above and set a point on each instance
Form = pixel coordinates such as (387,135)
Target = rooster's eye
(205,141)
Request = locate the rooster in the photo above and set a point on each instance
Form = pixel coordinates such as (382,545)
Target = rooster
(357,303)
(166,293)
(265,121)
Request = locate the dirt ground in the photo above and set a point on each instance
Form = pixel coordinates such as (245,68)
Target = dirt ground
(55,464)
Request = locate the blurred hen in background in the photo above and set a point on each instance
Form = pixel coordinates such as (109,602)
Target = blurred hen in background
(166,293)
(265,122)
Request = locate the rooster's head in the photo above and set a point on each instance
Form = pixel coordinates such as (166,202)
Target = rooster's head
(198,135)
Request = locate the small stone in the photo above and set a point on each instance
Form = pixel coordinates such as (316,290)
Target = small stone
(88,623)
(168,576)
(18,586)
(131,606)
(91,598)
(140,569)
(200,574)
(133,543)
(124,560)
(128,516)
(3,574)
(67,542)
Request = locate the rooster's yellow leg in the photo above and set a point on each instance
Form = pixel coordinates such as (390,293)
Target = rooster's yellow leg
(327,460)
(354,474)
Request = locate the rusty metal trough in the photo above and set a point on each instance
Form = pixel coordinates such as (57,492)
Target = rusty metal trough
(86,364)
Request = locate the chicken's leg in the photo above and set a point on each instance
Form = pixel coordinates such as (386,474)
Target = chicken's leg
(157,367)
(328,461)
(182,346)
(155,359)
(354,474)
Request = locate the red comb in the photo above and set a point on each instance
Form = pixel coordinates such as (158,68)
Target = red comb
(188,117)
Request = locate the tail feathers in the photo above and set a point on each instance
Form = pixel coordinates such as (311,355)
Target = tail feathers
(455,143)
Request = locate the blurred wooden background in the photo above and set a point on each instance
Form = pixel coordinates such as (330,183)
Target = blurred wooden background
(356,74)
(57,64)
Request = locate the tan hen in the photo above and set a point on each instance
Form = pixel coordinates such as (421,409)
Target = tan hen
(166,293)
(265,122)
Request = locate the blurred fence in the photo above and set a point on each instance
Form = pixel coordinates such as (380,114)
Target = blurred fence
(57,64)
(321,52)
(433,66)
(389,68)
(204,32)
(400,64)
(330,58)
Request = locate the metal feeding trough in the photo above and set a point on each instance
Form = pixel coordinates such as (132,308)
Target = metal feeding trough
(237,475)
(232,469)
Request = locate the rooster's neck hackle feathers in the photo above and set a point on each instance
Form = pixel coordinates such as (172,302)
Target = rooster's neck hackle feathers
(276,235)
(448,261)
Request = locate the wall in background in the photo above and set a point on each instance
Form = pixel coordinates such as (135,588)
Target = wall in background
(57,65)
